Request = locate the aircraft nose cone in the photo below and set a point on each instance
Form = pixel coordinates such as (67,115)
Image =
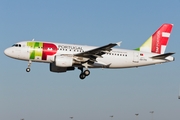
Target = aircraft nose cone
(7,52)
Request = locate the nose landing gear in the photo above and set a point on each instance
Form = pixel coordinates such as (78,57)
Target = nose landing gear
(28,69)
(29,65)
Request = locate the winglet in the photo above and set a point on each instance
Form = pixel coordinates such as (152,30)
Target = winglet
(33,39)
(119,43)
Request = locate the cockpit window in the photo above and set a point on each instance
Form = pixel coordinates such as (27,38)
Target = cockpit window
(16,45)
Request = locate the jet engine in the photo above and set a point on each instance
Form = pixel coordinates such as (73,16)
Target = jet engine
(63,61)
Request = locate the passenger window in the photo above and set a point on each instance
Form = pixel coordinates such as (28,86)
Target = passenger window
(19,45)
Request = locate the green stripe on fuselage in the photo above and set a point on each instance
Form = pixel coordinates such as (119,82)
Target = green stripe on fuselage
(35,49)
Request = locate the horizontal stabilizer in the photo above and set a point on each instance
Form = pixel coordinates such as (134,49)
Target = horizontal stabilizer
(162,56)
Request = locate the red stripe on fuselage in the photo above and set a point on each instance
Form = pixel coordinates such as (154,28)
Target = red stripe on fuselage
(48,49)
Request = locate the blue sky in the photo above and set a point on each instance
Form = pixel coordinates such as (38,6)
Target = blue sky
(43,95)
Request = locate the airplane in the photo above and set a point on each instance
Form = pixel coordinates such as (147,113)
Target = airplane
(65,57)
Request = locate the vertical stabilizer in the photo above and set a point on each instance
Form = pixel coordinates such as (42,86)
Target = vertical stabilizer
(158,41)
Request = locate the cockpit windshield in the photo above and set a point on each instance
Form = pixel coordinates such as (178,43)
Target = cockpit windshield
(16,45)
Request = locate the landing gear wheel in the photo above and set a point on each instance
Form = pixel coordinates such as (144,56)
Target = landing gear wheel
(86,72)
(28,69)
(82,76)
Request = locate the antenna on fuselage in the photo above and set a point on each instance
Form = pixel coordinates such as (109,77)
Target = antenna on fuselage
(33,39)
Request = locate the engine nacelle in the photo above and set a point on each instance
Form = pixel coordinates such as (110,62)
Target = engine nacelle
(54,68)
(63,61)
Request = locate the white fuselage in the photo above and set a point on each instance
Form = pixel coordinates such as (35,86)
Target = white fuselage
(116,58)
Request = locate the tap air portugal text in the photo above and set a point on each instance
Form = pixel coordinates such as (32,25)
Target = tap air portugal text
(65,57)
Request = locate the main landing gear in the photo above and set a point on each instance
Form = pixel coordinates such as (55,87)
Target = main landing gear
(83,74)
(29,65)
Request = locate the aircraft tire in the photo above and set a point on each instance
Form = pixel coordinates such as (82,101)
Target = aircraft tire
(87,72)
(28,69)
(82,76)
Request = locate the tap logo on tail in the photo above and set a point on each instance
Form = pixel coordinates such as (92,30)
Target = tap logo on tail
(158,41)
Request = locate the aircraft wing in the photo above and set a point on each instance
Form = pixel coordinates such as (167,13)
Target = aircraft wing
(97,52)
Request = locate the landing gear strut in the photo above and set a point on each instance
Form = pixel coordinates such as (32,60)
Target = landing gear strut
(83,74)
(29,65)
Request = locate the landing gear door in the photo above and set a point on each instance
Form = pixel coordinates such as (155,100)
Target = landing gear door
(136,57)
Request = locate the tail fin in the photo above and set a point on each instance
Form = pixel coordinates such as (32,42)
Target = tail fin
(158,41)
